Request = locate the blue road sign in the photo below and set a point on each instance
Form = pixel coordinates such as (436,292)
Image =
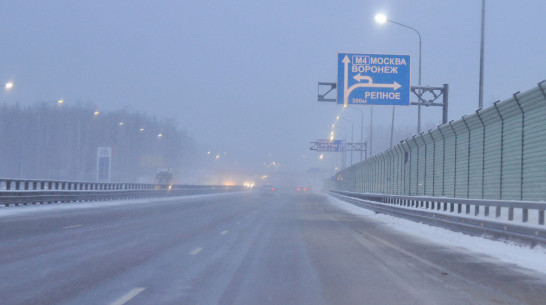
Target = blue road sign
(373,79)
(327,145)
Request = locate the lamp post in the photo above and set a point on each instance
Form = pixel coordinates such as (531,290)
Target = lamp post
(352,129)
(480,99)
(344,156)
(361,128)
(382,19)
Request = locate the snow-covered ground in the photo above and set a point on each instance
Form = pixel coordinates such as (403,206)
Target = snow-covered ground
(41,208)
(523,256)
(533,214)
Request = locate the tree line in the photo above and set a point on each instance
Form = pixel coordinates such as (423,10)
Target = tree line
(56,141)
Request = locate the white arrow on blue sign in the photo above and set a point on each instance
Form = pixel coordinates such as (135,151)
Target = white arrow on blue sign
(373,79)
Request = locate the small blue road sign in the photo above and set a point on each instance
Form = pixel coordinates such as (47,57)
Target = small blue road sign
(327,145)
(373,79)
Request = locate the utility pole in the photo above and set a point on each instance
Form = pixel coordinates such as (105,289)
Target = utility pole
(480,104)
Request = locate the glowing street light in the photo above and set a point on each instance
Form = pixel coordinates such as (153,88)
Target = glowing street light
(382,19)
(9,85)
(96,113)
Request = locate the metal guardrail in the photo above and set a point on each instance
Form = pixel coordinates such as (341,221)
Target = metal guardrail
(23,192)
(459,214)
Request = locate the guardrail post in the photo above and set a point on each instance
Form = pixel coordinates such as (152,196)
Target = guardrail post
(522,145)
(510,213)
(486,210)
(476,209)
(433,161)
(417,166)
(443,161)
(498,212)
(454,159)
(467,158)
(409,171)
(525,216)
(483,150)
(425,167)
(540,217)
(403,167)
(501,148)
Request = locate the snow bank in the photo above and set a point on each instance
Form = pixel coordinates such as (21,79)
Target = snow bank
(523,256)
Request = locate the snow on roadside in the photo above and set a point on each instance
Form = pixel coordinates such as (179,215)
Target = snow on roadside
(55,207)
(522,256)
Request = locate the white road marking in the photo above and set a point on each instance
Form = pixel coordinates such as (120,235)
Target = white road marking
(128,296)
(224,232)
(74,226)
(196,251)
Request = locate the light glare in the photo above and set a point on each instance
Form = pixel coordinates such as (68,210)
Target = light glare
(380,18)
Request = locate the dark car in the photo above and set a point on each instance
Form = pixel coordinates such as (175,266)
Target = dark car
(268,190)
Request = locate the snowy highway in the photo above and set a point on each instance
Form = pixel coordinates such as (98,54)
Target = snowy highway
(240,248)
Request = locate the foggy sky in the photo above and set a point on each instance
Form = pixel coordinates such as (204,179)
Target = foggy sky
(241,76)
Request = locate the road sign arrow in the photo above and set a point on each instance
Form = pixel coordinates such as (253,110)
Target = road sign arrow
(371,84)
(359,77)
(346,62)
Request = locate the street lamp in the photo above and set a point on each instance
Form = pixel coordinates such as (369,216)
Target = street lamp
(382,19)
(344,156)
(9,85)
(361,128)
(480,97)
(352,129)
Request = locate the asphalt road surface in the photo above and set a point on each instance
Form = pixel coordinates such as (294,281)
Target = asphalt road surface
(239,248)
